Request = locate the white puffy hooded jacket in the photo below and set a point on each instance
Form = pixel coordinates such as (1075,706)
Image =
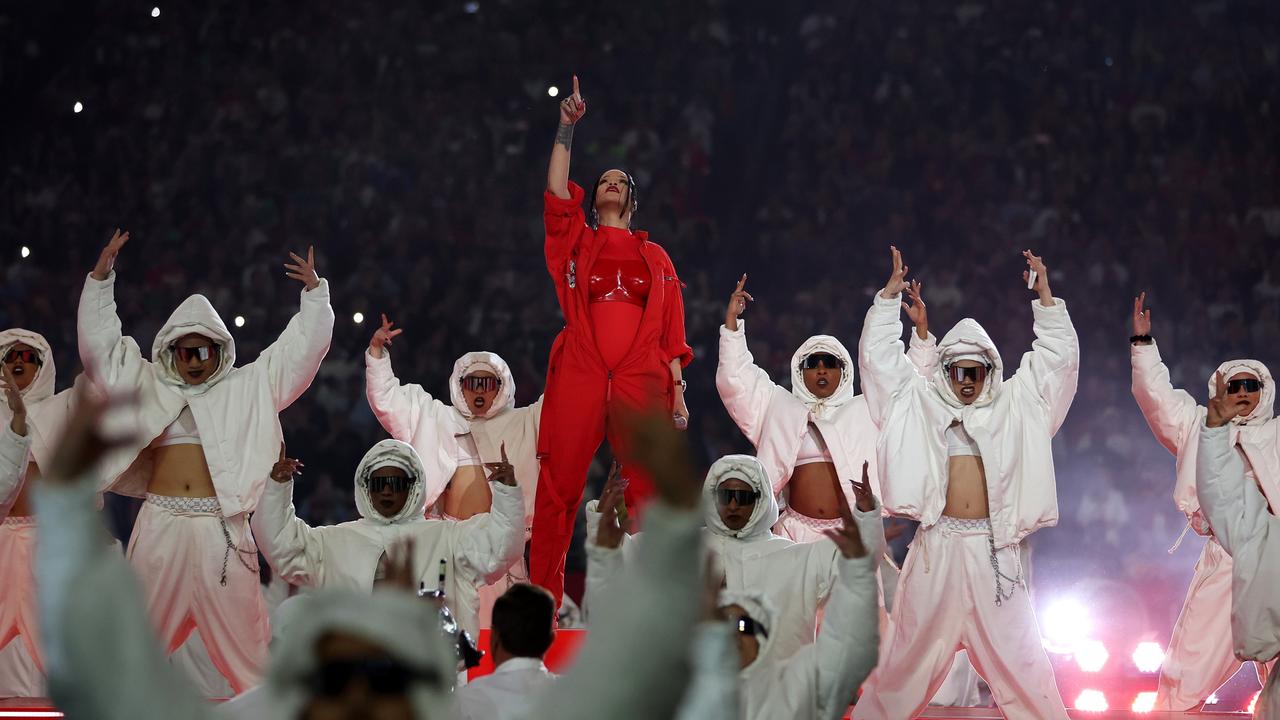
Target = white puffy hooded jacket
(1251,535)
(347,555)
(1013,421)
(820,681)
(410,414)
(1176,418)
(775,419)
(236,410)
(797,578)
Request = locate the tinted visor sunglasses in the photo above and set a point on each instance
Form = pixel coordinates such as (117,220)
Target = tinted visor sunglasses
(383,676)
(960,374)
(827,360)
(480,384)
(1248,385)
(200,352)
(744,498)
(376,483)
(30,357)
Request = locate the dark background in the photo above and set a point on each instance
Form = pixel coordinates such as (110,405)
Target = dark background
(1133,145)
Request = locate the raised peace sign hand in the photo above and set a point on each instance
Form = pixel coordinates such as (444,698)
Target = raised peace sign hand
(737,304)
(382,337)
(107,258)
(1141,318)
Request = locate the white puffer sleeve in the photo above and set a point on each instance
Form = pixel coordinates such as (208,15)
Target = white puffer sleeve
(745,389)
(1053,363)
(104,351)
(13,465)
(399,408)
(489,543)
(1170,413)
(292,361)
(291,547)
(882,360)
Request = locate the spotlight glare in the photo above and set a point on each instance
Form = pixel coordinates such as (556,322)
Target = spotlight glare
(1212,699)
(1148,657)
(239,321)
(26,251)
(1066,624)
(155,12)
(358,318)
(1091,656)
(1254,702)
(553,91)
(1091,701)
(77,107)
(1144,703)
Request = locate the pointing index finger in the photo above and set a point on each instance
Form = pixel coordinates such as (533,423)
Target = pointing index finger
(577,95)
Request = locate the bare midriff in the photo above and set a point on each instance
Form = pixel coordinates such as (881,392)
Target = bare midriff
(467,493)
(966,488)
(22,504)
(180,471)
(813,490)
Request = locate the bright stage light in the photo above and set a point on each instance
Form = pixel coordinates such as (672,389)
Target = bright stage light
(553,91)
(1091,701)
(1148,657)
(1066,624)
(1212,699)
(358,318)
(155,12)
(1254,702)
(1091,655)
(1144,703)
(26,251)
(239,321)
(77,107)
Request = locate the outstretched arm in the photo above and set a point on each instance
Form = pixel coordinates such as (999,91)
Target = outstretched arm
(1169,412)
(744,387)
(572,109)
(100,338)
(1053,364)
(289,544)
(398,407)
(294,358)
(886,371)
(922,350)
(490,542)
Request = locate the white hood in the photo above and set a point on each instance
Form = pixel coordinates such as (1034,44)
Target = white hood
(194,316)
(1266,403)
(482,360)
(760,609)
(42,387)
(968,338)
(844,391)
(406,627)
(397,454)
(750,470)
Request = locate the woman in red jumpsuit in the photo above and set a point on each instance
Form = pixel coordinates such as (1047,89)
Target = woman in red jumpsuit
(622,347)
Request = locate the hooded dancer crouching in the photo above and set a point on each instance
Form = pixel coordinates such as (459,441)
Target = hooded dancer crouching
(207,435)
(1248,531)
(455,441)
(391,498)
(969,455)
(1200,657)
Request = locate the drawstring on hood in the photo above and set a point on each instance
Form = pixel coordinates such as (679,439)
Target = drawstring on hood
(844,391)
(195,316)
(751,471)
(968,341)
(392,453)
(486,361)
(42,386)
(1265,409)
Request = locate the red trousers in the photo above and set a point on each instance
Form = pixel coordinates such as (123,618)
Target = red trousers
(583,405)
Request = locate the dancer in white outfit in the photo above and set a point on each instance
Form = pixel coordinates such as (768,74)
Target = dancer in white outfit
(1200,657)
(207,433)
(968,454)
(456,440)
(390,497)
(1249,532)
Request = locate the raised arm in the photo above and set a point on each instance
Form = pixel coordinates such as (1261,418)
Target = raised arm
(101,340)
(922,350)
(294,358)
(606,556)
(1234,506)
(745,388)
(15,441)
(1169,412)
(289,544)
(572,109)
(886,370)
(489,543)
(1053,365)
(397,407)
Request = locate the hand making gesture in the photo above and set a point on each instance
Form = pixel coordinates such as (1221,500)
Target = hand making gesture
(286,468)
(382,337)
(573,107)
(107,258)
(13,398)
(896,283)
(737,304)
(916,310)
(304,271)
(1141,318)
(1041,284)
(502,472)
(847,537)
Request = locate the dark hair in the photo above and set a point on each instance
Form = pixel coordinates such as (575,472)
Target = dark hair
(523,620)
(631,197)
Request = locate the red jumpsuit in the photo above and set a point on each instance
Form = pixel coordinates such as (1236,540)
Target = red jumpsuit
(583,394)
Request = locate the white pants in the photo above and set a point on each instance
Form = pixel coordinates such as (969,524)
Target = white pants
(21,664)
(489,594)
(179,550)
(1200,656)
(946,602)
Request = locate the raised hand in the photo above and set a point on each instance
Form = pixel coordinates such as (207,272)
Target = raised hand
(663,451)
(304,271)
(916,310)
(1221,409)
(1041,286)
(1141,318)
(612,509)
(896,283)
(13,398)
(737,303)
(382,337)
(107,258)
(573,107)
(847,537)
(502,472)
(286,468)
